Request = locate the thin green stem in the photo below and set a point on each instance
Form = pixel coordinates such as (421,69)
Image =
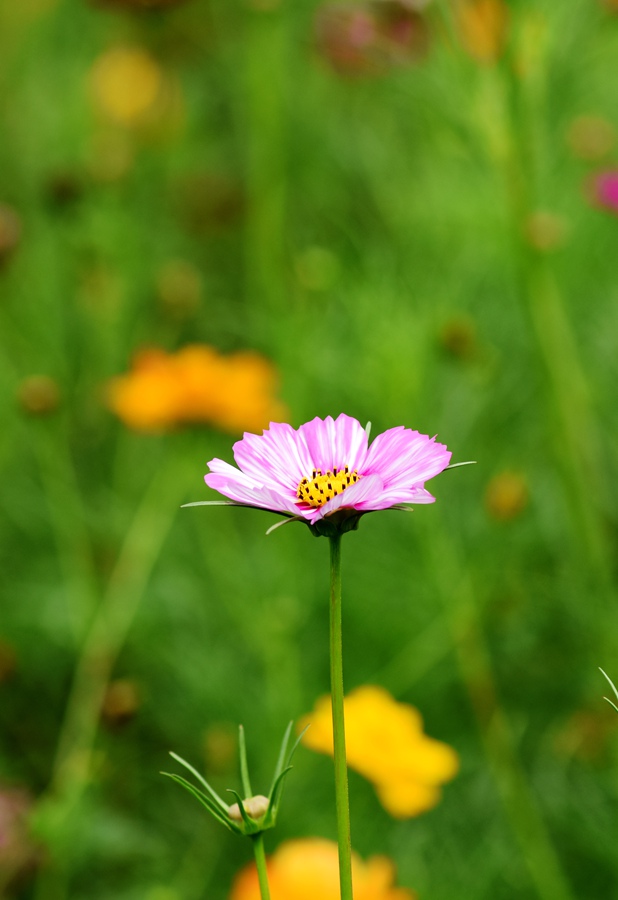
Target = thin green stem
(260,864)
(336,687)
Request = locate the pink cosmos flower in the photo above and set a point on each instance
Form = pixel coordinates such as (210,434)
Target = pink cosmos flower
(326,474)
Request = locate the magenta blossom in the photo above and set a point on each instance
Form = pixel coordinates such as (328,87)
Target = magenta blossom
(605,189)
(325,473)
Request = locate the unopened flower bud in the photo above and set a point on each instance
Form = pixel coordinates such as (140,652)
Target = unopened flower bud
(506,496)
(458,338)
(38,395)
(255,807)
(10,232)
(545,231)
(121,702)
(591,138)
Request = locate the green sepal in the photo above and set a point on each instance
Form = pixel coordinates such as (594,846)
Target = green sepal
(613,687)
(205,800)
(274,799)
(339,522)
(213,794)
(250,826)
(244,769)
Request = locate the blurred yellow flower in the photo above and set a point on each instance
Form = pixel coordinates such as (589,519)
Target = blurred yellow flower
(197,385)
(127,83)
(386,744)
(307,869)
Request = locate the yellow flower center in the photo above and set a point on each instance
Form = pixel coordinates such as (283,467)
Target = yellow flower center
(315,491)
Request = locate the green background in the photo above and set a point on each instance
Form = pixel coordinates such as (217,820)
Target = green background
(371,235)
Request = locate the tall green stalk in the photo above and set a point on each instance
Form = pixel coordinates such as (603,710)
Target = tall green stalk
(260,864)
(336,686)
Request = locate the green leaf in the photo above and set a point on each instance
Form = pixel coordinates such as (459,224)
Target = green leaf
(296,743)
(283,751)
(221,803)
(469,462)
(205,800)
(244,768)
(274,798)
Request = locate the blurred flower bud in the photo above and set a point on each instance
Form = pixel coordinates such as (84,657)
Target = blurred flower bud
(209,202)
(121,702)
(38,395)
(8,661)
(220,748)
(110,156)
(506,496)
(317,268)
(179,288)
(545,231)
(369,37)
(458,338)
(18,852)
(63,190)
(255,807)
(585,735)
(603,190)
(483,26)
(10,232)
(138,5)
(127,83)
(591,138)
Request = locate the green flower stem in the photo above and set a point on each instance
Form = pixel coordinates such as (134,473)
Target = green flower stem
(336,686)
(260,864)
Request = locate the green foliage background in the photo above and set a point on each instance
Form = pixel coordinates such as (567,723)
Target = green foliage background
(367,215)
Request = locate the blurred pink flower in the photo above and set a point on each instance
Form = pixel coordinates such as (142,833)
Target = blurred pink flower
(327,467)
(605,189)
(18,852)
(367,37)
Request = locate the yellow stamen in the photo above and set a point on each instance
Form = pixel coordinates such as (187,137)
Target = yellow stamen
(315,491)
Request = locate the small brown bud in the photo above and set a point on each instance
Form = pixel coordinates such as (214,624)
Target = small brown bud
(458,338)
(38,395)
(121,702)
(506,496)
(545,231)
(10,232)
(179,286)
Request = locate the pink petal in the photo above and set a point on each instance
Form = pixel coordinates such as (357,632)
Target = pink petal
(279,457)
(251,494)
(405,458)
(335,443)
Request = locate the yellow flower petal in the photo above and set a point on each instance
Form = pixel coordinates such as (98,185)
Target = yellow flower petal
(385,743)
(308,868)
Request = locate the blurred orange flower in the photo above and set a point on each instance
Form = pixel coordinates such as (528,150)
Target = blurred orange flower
(386,744)
(308,868)
(197,385)
(483,26)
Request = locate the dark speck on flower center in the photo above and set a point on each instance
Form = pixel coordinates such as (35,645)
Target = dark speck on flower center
(315,491)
